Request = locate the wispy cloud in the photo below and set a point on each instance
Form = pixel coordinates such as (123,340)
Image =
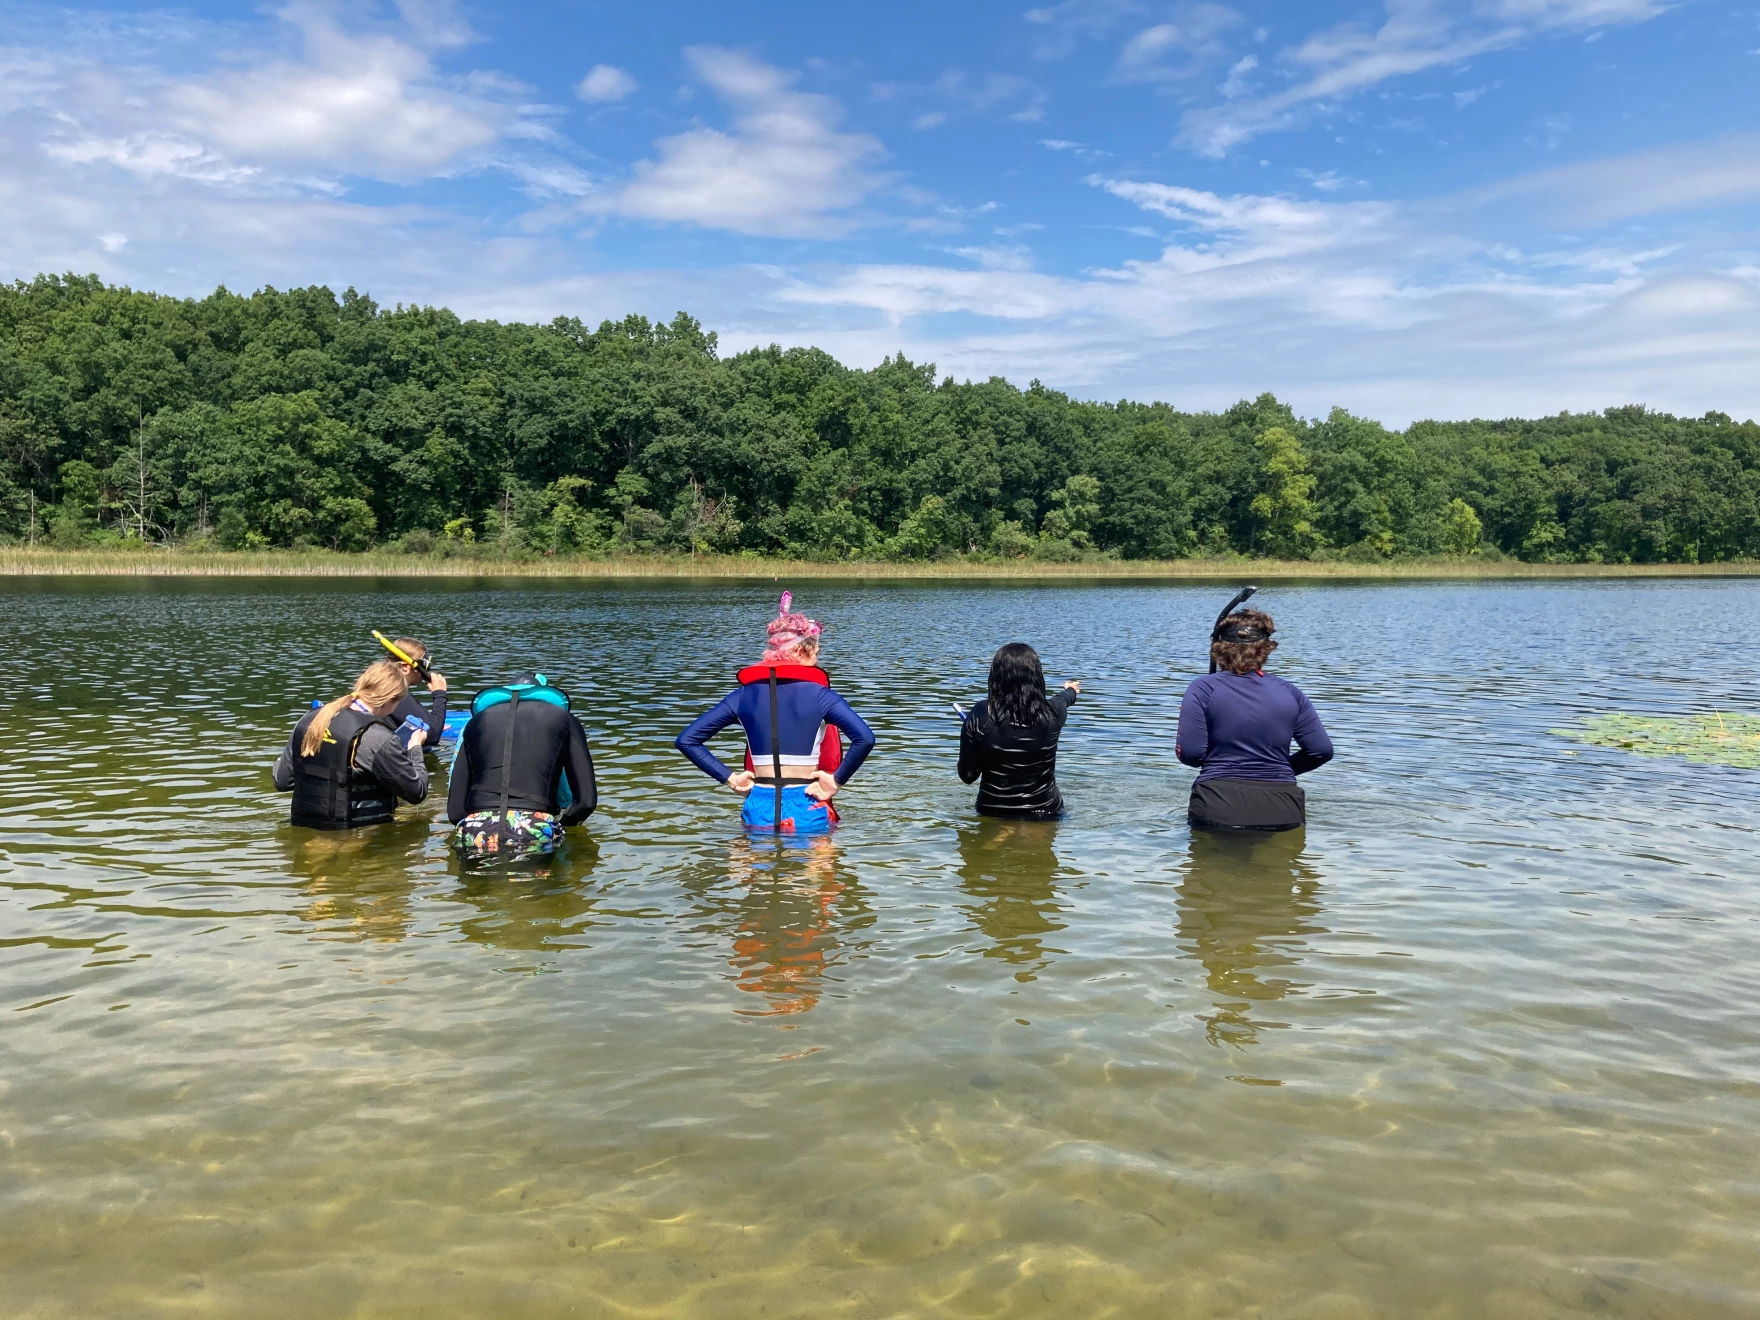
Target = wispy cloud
(1183,48)
(956,93)
(1060,26)
(1343,61)
(1671,179)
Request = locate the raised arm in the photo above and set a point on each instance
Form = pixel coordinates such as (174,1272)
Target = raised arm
(436,714)
(711,722)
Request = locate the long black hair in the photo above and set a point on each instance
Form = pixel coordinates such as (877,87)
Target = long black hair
(1017,686)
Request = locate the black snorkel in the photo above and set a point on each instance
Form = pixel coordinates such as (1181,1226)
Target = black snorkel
(1228,609)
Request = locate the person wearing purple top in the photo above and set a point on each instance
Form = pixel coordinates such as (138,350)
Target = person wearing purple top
(1236,725)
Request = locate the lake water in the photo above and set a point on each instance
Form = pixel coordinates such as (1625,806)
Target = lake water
(1484,1042)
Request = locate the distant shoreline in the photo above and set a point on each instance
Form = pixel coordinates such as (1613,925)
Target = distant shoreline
(17,562)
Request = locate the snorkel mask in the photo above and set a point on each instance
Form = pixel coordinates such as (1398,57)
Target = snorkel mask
(1237,630)
(420,666)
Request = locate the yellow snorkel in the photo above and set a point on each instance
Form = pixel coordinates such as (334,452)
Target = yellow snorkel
(420,666)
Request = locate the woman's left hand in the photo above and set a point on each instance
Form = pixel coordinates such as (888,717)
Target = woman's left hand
(822,787)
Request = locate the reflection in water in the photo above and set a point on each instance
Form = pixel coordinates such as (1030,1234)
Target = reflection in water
(537,903)
(787,903)
(1246,902)
(1009,866)
(357,883)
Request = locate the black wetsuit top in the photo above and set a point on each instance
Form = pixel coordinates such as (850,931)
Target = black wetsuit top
(548,742)
(1018,762)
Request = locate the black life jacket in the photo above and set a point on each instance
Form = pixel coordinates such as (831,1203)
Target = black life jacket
(515,742)
(329,791)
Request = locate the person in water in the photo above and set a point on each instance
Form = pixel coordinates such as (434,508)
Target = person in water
(1009,739)
(434,713)
(346,763)
(522,772)
(800,770)
(1236,725)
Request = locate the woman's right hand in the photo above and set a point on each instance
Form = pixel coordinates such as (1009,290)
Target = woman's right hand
(741,781)
(417,738)
(1075,683)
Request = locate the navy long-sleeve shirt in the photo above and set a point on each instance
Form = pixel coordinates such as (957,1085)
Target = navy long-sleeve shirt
(803,710)
(1240,726)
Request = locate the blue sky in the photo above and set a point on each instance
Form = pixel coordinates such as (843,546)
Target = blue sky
(1420,208)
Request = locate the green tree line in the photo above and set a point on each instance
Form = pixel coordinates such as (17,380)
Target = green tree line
(297,419)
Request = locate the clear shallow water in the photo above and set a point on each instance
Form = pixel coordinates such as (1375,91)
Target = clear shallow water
(1484,1042)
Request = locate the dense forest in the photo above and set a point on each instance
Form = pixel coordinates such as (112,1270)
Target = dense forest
(299,419)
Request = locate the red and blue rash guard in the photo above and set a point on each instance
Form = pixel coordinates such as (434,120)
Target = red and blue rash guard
(1239,726)
(805,705)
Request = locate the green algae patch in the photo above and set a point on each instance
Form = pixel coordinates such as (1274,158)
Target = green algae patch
(1714,739)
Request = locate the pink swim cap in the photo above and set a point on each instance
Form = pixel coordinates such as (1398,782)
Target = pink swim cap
(788,631)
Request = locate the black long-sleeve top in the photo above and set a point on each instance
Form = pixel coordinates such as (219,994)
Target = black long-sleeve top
(548,743)
(1017,763)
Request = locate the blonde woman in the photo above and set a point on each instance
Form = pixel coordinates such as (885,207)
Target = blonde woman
(345,764)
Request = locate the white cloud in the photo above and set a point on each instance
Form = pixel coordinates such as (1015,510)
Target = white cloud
(354,105)
(148,154)
(605,82)
(1417,35)
(1250,227)
(1080,149)
(367,104)
(785,169)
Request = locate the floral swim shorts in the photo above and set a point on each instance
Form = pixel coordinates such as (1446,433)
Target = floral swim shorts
(520,834)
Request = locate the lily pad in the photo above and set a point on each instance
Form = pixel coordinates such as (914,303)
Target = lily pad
(1714,739)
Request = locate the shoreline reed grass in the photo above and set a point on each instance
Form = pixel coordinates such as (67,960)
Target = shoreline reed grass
(22,562)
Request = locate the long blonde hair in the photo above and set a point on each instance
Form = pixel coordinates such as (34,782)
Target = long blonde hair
(381,684)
